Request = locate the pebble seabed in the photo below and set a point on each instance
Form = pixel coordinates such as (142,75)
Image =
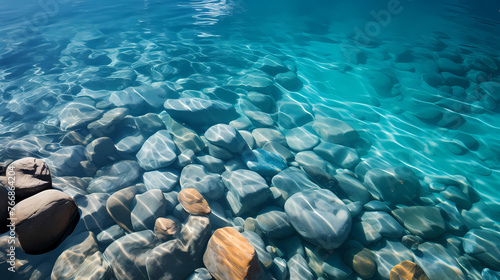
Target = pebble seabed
(180,155)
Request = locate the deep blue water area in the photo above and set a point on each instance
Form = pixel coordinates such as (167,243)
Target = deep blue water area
(339,138)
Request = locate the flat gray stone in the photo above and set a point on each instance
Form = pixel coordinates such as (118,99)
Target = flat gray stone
(77,115)
(248,190)
(115,177)
(147,208)
(483,244)
(225,136)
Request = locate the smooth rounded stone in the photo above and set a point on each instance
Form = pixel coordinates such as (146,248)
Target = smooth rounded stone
(179,213)
(362,261)
(218,216)
(218,152)
(291,181)
(184,137)
(447,65)
(148,207)
(334,268)
(247,136)
(309,160)
(454,80)
(320,217)
(208,184)
(230,256)
(82,261)
(242,122)
(163,179)
(292,113)
(436,262)
(383,83)
(100,151)
(66,161)
(279,269)
(263,101)
(120,205)
(247,190)
(407,270)
(186,157)
(338,155)
(271,65)
(76,115)
(274,223)
(263,136)
(130,143)
(166,228)
(260,247)
(350,188)
(484,245)
(289,80)
(411,241)
(383,223)
(107,123)
(255,115)
(456,195)
(158,151)
(225,136)
(398,185)
(489,274)
(193,202)
(279,149)
(300,139)
(389,254)
(336,131)
(196,111)
(423,221)
(109,235)
(298,268)
(115,177)
(492,89)
(44,220)
(127,255)
(263,162)
(129,98)
(28,176)
(212,164)
(482,214)
(454,221)
(200,274)
(93,214)
(355,208)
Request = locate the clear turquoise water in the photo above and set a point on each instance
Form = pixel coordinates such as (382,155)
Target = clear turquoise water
(50,49)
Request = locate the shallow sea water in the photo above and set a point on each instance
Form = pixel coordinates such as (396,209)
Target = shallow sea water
(413,83)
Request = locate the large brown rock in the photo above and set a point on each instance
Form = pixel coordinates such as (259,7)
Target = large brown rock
(193,202)
(44,220)
(407,270)
(29,176)
(229,256)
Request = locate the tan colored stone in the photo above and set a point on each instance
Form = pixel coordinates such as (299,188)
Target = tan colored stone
(229,256)
(193,202)
(44,220)
(407,270)
(166,228)
(362,261)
